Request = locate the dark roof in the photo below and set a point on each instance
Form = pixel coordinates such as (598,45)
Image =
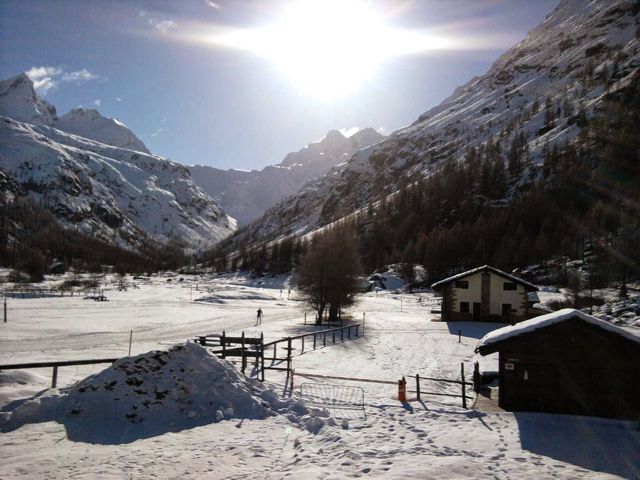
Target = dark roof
(485,268)
(492,341)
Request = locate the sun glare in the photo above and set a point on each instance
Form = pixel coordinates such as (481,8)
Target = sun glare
(328,48)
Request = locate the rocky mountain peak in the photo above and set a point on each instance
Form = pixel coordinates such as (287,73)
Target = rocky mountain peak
(19,100)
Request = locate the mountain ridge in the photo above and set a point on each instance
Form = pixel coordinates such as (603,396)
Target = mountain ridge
(532,98)
(117,193)
(20,101)
(247,194)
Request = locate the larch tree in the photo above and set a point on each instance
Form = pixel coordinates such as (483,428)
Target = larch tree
(329,273)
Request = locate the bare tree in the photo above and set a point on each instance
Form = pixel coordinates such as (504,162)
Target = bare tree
(328,277)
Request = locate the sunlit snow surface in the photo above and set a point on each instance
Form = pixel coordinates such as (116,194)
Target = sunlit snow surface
(434,439)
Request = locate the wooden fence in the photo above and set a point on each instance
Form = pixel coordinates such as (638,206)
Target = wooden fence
(419,379)
(54,292)
(56,365)
(254,347)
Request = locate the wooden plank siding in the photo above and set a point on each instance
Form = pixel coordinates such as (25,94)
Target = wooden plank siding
(572,367)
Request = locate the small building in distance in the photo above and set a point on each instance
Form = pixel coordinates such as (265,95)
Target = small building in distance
(567,362)
(485,294)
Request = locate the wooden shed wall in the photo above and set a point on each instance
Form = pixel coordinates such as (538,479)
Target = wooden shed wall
(571,367)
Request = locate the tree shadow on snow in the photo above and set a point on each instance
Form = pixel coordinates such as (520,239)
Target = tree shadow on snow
(597,444)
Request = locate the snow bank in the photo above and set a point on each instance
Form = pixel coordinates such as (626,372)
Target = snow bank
(154,393)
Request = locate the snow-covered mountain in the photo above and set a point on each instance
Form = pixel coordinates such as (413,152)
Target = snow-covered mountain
(89,123)
(19,100)
(247,195)
(536,93)
(116,193)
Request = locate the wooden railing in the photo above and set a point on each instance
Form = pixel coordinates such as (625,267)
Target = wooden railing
(56,365)
(242,346)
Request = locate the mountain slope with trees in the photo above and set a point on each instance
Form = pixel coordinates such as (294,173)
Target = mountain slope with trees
(534,97)
(115,194)
(536,158)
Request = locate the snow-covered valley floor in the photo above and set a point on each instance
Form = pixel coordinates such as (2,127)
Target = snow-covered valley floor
(433,439)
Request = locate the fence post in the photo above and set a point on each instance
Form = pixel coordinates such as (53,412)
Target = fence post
(464,390)
(459,336)
(244,358)
(203,341)
(314,341)
(275,347)
(357,328)
(324,339)
(342,334)
(54,380)
(302,346)
(289,348)
(334,336)
(418,386)
(262,356)
(223,339)
(476,377)
(5,308)
(349,333)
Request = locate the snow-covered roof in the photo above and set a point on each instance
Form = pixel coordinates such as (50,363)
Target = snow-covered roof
(543,321)
(527,285)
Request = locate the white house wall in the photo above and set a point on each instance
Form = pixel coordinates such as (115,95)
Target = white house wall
(497,298)
(471,294)
(500,296)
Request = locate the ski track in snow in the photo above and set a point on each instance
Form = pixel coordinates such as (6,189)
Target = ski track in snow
(434,439)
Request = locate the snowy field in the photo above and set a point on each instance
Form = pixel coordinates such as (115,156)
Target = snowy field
(435,438)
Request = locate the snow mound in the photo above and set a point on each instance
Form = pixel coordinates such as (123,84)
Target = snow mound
(234,296)
(386,281)
(151,394)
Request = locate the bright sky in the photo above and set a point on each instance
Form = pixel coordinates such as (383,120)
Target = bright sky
(239,83)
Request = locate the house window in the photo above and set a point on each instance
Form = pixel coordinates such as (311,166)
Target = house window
(506,309)
(508,286)
(462,284)
(464,307)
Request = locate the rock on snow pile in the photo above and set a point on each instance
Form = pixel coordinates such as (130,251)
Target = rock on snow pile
(158,392)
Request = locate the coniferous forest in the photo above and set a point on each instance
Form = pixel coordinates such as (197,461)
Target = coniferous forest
(495,207)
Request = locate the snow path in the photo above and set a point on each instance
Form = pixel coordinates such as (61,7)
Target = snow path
(436,439)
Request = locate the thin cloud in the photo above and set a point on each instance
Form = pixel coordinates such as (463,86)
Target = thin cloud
(213,4)
(79,76)
(46,78)
(157,132)
(97,102)
(118,99)
(162,25)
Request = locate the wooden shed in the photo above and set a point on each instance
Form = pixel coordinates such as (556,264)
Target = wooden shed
(485,294)
(567,362)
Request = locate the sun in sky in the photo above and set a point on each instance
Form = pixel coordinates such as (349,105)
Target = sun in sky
(327,48)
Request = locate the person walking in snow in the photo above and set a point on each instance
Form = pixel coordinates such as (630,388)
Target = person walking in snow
(259,317)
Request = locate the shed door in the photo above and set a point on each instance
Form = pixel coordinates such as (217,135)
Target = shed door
(530,387)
